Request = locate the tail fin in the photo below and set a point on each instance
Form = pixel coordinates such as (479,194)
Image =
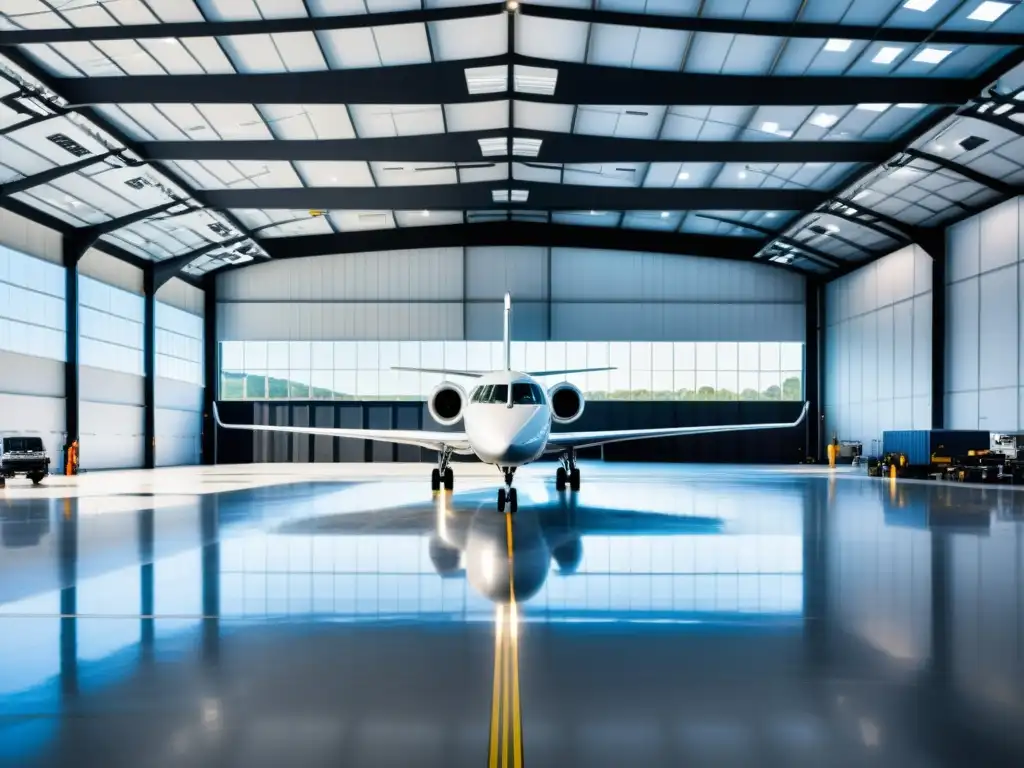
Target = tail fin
(508,332)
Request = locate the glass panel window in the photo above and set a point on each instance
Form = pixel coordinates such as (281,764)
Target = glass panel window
(455,356)
(368,356)
(749,356)
(255,385)
(661,356)
(345,384)
(478,355)
(595,386)
(577,355)
(640,356)
(323,356)
(554,358)
(366,384)
(518,356)
(707,385)
(432,354)
(727,385)
(749,385)
(345,356)
(389,383)
(535,357)
(662,385)
(792,385)
(298,389)
(685,385)
(232,386)
(640,385)
(408,355)
(299,356)
(256,355)
(792,356)
(770,356)
(727,356)
(597,355)
(277,385)
(323,384)
(706,356)
(388,355)
(232,356)
(771,385)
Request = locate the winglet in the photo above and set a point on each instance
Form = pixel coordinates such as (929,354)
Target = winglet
(803,413)
(216,415)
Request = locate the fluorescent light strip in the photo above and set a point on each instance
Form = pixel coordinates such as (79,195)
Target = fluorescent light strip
(919,5)
(837,45)
(887,55)
(874,107)
(487,79)
(526,147)
(497,146)
(989,11)
(932,55)
(539,80)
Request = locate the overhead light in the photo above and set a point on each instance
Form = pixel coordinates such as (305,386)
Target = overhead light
(593,213)
(526,147)
(909,105)
(831,228)
(425,213)
(539,80)
(874,107)
(939,147)
(683,176)
(519,195)
(837,45)
(985,107)
(487,79)
(510,195)
(862,194)
(497,146)
(989,11)
(932,55)
(887,55)
(824,120)
(1002,109)
(919,5)
(664,214)
(770,127)
(512,6)
(770,214)
(742,174)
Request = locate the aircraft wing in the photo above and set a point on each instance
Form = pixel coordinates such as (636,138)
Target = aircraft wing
(434,441)
(559,440)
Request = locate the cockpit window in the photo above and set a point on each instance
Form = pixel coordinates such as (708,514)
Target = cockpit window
(523,393)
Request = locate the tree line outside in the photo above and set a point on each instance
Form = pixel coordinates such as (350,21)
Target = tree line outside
(241,386)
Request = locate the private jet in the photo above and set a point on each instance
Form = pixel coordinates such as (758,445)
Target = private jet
(507,419)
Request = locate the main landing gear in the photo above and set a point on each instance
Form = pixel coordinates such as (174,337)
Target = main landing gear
(568,473)
(443,473)
(507,495)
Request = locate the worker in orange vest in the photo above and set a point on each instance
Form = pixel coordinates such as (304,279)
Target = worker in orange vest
(833,451)
(72,465)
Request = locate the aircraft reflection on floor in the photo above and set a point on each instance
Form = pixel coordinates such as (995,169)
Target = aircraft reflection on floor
(469,539)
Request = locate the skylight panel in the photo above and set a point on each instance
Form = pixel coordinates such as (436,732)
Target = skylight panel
(932,55)
(989,11)
(824,120)
(539,80)
(837,45)
(526,147)
(919,5)
(494,147)
(510,195)
(487,79)
(1002,109)
(887,55)
(874,107)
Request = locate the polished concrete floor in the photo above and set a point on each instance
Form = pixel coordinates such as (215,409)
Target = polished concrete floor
(296,615)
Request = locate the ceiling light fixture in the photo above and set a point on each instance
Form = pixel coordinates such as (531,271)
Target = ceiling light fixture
(985,107)
(919,5)
(874,107)
(1002,109)
(837,45)
(742,174)
(770,127)
(771,214)
(425,213)
(664,214)
(683,176)
(939,147)
(824,120)
(862,194)
(932,55)
(909,105)
(493,147)
(487,79)
(831,228)
(887,55)
(539,80)
(526,147)
(989,11)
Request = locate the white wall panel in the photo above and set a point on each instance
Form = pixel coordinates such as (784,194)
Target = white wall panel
(28,375)
(178,436)
(485,321)
(110,270)
(333,322)
(984,322)
(429,274)
(589,275)
(177,293)
(111,436)
(103,386)
(178,395)
(878,353)
(523,272)
(36,416)
(26,236)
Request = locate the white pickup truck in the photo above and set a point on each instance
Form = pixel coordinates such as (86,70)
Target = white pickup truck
(23,456)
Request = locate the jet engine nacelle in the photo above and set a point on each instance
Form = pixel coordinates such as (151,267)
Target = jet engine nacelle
(566,403)
(446,403)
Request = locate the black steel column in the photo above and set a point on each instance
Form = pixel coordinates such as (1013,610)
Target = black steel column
(73,250)
(210,368)
(813,352)
(936,248)
(149,370)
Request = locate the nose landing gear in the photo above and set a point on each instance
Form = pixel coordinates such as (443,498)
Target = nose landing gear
(507,495)
(568,473)
(443,473)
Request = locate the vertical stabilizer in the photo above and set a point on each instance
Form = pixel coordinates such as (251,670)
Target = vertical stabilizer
(508,332)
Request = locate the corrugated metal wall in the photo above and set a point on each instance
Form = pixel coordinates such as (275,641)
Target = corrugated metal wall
(984,291)
(559,293)
(179,374)
(878,348)
(31,384)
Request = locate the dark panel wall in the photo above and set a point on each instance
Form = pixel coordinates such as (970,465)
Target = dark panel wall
(761,447)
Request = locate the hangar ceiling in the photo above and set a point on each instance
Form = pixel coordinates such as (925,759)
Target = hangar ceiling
(816,134)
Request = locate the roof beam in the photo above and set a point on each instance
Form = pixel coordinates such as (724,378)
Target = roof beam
(541,196)
(51,174)
(514,233)
(445,83)
(814,254)
(164,270)
(897,230)
(1004,188)
(463,147)
(729,26)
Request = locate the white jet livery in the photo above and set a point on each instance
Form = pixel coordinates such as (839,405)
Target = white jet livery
(507,418)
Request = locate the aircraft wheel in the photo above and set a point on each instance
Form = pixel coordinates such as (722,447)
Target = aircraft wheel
(560,479)
(513,501)
(501,499)
(574,479)
(435,480)
(449,479)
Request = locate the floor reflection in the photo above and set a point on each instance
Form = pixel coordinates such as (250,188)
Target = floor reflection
(699,615)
